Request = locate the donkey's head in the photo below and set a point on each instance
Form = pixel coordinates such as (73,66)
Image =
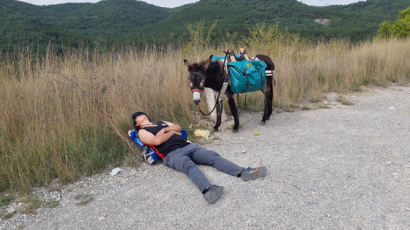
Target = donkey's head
(196,78)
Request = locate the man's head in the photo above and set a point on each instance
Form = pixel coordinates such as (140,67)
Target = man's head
(138,118)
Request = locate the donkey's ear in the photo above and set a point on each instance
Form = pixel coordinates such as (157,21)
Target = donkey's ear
(186,62)
(206,63)
(187,65)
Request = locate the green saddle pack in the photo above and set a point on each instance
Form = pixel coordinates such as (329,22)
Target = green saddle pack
(246,76)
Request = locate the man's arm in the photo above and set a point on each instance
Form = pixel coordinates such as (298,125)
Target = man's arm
(172,127)
(151,139)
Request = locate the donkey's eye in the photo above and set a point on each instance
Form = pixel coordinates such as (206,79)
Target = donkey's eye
(201,84)
(190,84)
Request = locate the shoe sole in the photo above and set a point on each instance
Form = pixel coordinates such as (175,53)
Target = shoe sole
(258,173)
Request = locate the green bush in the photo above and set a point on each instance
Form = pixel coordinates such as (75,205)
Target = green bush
(400,28)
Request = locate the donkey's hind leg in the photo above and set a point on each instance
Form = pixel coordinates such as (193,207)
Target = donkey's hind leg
(269,88)
(270,97)
(268,101)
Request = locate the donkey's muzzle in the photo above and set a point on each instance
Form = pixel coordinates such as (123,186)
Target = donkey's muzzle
(197,102)
(196,97)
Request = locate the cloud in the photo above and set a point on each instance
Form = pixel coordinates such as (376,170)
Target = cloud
(175,3)
(54,2)
(163,3)
(328,2)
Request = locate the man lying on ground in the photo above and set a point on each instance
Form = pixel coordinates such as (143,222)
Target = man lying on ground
(165,138)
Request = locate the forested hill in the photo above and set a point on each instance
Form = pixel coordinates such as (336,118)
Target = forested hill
(131,21)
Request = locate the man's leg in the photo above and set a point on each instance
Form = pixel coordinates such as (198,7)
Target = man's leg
(180,161)
(206,157)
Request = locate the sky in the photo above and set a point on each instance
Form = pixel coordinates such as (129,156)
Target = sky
(175,3)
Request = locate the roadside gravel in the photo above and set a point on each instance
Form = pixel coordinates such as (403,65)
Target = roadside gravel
(347,167)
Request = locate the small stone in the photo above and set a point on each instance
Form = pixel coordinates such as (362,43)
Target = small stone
(11,210)
(249,222)
(101,218)
(392,108)
(243,151)
(116,171)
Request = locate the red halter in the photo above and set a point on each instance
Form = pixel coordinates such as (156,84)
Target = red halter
(196,90)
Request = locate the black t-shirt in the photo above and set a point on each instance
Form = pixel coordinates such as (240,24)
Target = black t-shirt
(176,141)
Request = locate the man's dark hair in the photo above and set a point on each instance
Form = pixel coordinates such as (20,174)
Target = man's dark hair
(135,115)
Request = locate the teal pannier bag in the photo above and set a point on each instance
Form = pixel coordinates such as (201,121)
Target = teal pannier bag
(247,76)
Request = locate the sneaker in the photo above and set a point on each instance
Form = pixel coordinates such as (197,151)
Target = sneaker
(214,193)
(253,173)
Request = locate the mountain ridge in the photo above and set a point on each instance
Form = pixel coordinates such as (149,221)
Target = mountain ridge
(129,21)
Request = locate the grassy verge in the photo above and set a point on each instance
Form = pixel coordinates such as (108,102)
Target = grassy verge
(64,117)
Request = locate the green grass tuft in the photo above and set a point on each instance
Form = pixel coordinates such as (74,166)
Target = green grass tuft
(83,199)
(31,203)
(323,106)
(51,203)
(5,199)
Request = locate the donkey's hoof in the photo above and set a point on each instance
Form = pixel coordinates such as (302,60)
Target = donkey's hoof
(235,130)
(216,129)
(263,122)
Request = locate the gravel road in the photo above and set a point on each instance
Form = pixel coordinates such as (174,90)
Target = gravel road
(347,167)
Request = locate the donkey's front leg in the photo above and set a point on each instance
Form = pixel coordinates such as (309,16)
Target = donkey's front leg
(234,111)
(219,109)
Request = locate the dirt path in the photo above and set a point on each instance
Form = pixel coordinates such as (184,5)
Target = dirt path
(347,167)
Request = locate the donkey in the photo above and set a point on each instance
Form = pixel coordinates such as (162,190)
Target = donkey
(211,75)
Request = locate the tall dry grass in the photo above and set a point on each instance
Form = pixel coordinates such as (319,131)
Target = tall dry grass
(62,117)
(305,72)
(65,116)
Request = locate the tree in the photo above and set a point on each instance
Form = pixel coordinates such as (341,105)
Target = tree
(400,28)
(385,30)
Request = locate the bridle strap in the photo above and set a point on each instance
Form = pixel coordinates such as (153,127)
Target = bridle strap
(196,90)
(216,103)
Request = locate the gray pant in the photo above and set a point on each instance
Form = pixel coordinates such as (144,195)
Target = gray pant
(185,159)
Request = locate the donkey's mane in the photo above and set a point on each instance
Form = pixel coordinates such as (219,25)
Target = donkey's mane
(214,78)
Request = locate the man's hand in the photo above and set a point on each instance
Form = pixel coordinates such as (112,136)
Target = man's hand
(172,126)
(170,129)
(161,132)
